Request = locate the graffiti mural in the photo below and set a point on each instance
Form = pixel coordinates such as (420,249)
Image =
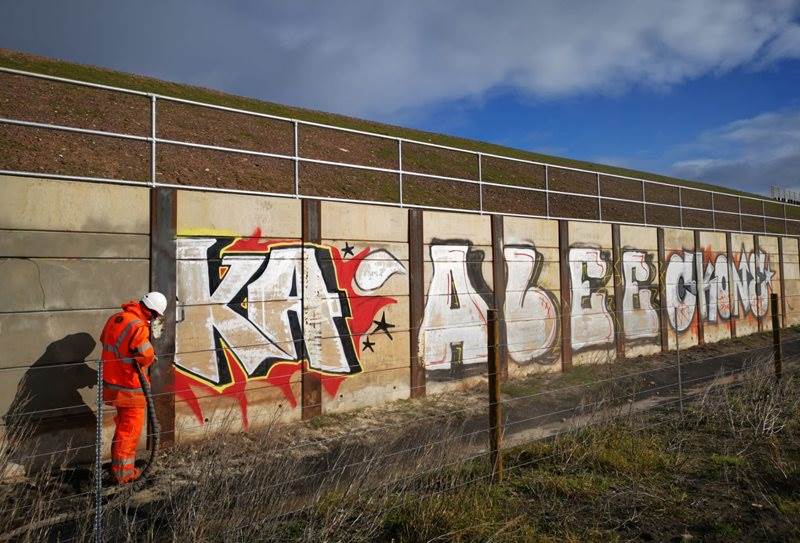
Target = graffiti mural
(714,294)
(680,288)
(263,308)
(749,286)
(591,321)
(530,311)
(453,331)
(639,303)
(752,278)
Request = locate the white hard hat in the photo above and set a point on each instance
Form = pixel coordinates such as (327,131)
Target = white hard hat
(155,301)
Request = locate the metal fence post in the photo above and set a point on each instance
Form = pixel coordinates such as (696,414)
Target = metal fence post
(400,167)
(480,182)
(777,351)
(296,160)
(98,459)
(495,409)
(678,352)
(153,137)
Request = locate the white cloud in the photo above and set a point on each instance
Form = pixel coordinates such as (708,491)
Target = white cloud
(385,57)
(750,154)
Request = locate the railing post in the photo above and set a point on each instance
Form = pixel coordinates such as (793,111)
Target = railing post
(777,351)
(480,182)
(400,167)
(296,160)
(495,409)
(153,137)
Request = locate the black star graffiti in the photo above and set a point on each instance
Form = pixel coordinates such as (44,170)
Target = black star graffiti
(367,344)
(383,326)
(348,249)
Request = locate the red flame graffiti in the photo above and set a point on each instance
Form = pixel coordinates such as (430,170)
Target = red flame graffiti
(363,309)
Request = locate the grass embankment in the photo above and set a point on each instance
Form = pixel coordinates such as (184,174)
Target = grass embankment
(32,63)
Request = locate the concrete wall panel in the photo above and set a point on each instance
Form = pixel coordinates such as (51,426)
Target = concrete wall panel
(742,247)
(532,295)
(679,278)
(32,244)
(457,278)
(640,302)
(202,213)
(592,290)
(768,272)
(714,293)
(234,256)
(364,223)
(39,204)
(45,284)
(791,279)
(373,241)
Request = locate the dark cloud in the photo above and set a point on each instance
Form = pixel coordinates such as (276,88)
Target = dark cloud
(383,58)
(749,154)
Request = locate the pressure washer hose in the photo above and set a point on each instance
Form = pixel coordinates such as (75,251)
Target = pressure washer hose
(152,421)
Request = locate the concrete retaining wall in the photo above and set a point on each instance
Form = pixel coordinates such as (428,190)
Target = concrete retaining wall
(288,308)
(71,252)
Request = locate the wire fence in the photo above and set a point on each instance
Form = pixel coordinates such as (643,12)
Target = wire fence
(686,213)
(617,392)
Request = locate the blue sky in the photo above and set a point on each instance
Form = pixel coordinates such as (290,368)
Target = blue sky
(643,128)
(705,90)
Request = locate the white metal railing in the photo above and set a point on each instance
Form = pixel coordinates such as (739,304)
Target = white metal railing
(154,140)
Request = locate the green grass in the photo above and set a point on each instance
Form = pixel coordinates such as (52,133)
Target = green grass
(727,461)
(655,476)
(535,383)
(31,63)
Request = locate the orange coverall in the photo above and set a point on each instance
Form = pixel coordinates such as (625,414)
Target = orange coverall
(126,340)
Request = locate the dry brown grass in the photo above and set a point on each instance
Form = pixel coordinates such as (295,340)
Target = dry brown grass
(729,468)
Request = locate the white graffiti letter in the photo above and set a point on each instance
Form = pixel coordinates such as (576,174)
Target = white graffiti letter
(680,290)
(591,322)
(212,312)
(531,318)
(743,277)
(761,282)
(453,328)
(639,317)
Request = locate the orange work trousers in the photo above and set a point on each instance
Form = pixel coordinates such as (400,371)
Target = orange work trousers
(129,423)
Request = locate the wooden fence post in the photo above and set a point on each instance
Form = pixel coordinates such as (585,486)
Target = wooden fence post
(777,351)
(495,408)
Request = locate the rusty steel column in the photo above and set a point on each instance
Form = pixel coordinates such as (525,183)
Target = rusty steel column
(698,272)
(781,282)
(163,258)
(416,298)
(619,314)
(777,348)
(756,251)
(566,295)
(734,301)
(662,291)
(310,385)
(499,288)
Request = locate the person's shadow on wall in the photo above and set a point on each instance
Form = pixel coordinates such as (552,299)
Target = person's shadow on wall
(48,422)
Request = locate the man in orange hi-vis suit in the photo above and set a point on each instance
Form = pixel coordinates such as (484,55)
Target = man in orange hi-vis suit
(126,341)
